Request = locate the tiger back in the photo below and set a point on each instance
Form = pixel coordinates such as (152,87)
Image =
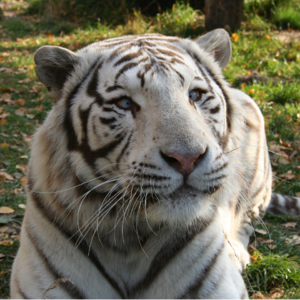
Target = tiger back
(147,175)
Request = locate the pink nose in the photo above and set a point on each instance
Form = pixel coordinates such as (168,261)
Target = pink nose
(184,164)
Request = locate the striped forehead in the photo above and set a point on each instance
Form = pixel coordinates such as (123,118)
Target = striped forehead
(134,62)
(148,56)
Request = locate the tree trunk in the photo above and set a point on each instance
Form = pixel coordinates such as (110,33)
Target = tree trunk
(223,13)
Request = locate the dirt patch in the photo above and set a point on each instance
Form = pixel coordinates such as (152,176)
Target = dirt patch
(288,36)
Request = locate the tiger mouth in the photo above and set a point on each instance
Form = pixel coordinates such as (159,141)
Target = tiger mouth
(187,190)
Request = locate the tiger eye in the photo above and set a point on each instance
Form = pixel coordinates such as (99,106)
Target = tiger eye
(195,95)
(125,103)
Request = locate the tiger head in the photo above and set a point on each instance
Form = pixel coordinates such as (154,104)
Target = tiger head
(143,120)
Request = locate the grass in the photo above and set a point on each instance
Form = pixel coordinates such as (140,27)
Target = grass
(255,50)
(278,267)
(287,18)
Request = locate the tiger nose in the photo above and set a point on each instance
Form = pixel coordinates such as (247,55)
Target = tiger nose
(184,164)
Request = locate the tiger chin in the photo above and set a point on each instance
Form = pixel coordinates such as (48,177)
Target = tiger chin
(147,176)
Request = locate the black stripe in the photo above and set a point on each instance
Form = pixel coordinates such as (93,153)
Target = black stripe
(217,178)
(69,287)
(141,75)
(193,290)
(207,99)
(182,80)
(148,166)
(170,250)
(274,205)
(224,140)
(110,109)
(108,121)
(215,110)
(120,50)
(124,148)
(150,176)
(149,186)
(218,169)
(202,73)
(83,246)
(93,85)
(291,204)
(128,57)
(124,69)
(114,88)
(259,190)
(238,204)
(68,124)
(91,155)
(88,154)
(168,52)
(214,284)
(219,156)
(167,45)
(211,189)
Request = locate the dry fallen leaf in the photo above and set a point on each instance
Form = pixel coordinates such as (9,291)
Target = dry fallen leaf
(263,232)
(290,225)
(5,176)
(23,181)
(287,176)
(21,101)
(283,161)
(257,296)
(22,168)
(286,144)
(3,228)
(6,210)
(276,293)
(6,243)
(272,246)
(17,190)
(39,108)
(267,241)
(6,97)
(24,80)
(4,115)
(23,206)
(295,240)
(30,116)
(274,147)
(27,138)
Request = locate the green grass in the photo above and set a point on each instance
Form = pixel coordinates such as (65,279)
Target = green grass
(6,263)
(279,267)
(287,17)
(256,49)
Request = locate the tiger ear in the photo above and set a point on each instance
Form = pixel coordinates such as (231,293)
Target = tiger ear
(53,65)
(217,43)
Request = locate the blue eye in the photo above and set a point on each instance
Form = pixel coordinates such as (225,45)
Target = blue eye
(125,103)
(195,95)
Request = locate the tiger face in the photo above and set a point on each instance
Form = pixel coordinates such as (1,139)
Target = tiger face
(144,121)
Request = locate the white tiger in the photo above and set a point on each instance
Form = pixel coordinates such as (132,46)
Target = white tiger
(147,175)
